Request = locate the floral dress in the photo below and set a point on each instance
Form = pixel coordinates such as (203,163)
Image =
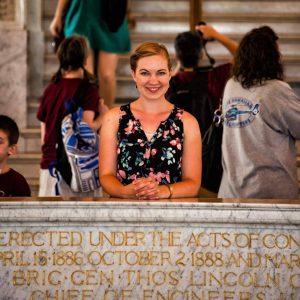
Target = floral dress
(159,157)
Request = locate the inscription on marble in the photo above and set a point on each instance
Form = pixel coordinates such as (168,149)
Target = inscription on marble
(147,263)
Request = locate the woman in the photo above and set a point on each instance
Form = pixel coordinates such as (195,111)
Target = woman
(86,18)
(72,55)
(150,149)
(261,122)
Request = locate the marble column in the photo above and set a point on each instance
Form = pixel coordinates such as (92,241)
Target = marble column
(35,49)
(13,61)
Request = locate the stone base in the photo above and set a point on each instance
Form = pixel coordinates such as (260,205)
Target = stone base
(149,250)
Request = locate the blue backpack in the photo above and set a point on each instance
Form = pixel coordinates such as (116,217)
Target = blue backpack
(78,148)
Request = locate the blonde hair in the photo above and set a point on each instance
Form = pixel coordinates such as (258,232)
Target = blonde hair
(149,49)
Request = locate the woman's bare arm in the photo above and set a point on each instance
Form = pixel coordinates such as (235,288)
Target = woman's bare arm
(57,22)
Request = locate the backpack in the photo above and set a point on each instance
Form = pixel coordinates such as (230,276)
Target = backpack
(78,147)
(193,96)
(212,169)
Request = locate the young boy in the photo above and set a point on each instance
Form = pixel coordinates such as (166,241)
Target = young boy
(12,184)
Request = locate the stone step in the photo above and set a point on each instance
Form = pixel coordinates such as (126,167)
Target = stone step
(30,140)
(226,26)
(175,22)
(169,38)
(149,14)
(158,16)
(251,7)
(126,88)
(289,49)
(240,27)
(168,6)
(159,10)
(27,163)
(32,108)
(289,42)
(289,45)
(234,35)
(210,17)
(157,24)
(257,17)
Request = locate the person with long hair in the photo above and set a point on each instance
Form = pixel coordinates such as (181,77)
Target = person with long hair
(261,123)
(72,55)
(150,149)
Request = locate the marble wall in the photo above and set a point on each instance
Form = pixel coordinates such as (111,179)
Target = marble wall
(13,74)
(150,250)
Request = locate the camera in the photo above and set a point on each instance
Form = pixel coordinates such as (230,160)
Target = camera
(212,61)
(201,34)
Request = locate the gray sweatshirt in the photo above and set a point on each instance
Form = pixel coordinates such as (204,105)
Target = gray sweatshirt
(260,128)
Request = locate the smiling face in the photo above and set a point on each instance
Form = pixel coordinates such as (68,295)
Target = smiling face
(152,76)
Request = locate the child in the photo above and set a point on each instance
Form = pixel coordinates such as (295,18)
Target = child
(72,55)
(12,184)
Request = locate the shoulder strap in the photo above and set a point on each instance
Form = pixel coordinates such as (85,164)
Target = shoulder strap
(81,92)
(78,98)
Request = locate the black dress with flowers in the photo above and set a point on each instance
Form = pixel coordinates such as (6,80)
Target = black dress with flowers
(159,157)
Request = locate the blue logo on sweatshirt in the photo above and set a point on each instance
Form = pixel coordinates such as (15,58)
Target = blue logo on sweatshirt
(240,112)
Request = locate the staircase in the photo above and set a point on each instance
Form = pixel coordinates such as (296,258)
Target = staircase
(161,21)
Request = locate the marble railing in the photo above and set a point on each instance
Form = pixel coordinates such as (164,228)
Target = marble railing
(96,248)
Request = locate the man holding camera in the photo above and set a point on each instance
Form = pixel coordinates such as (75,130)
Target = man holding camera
(197,87)
(191,70)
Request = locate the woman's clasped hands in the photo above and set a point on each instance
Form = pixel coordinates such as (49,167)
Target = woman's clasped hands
(146,188)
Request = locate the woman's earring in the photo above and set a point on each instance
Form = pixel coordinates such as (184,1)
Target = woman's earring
(136,86)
